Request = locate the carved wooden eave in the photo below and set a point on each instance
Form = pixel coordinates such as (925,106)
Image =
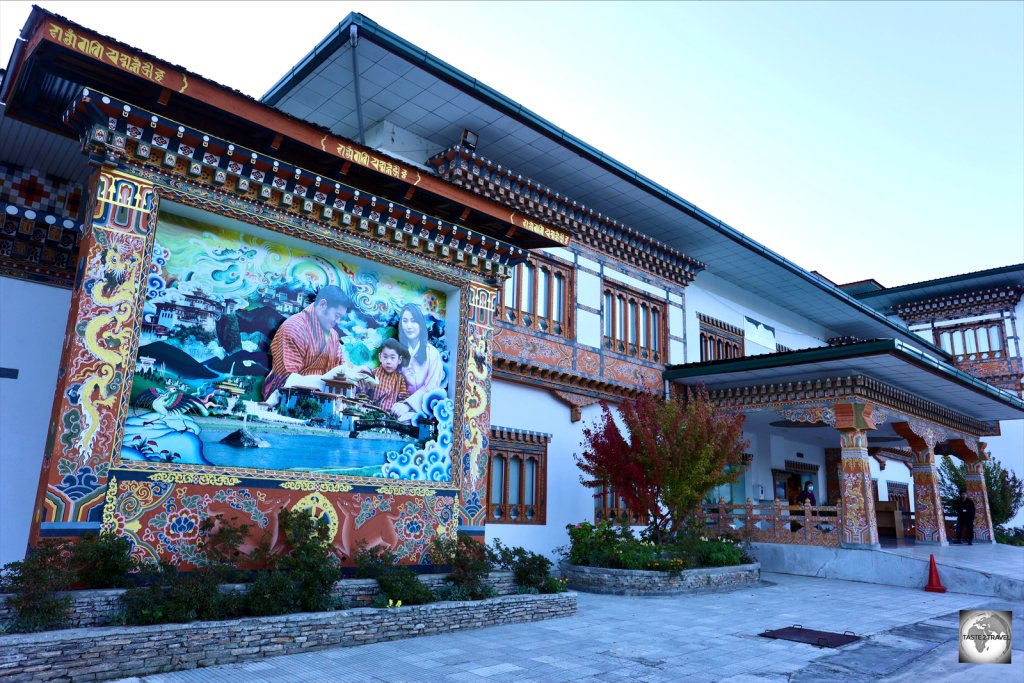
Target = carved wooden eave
(848,388)
(961,305)
(512,435)
(115,131)
(576,402)
(482,176)
(560,380)
(62,47)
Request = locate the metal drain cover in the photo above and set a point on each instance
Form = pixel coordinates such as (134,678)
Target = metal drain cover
(799,634)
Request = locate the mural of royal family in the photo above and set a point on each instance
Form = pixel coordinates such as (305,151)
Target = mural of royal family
(258,355)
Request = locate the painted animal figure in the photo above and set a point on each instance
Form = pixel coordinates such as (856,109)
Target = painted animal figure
(378,529)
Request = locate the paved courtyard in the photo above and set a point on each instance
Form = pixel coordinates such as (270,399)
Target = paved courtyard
(909,636)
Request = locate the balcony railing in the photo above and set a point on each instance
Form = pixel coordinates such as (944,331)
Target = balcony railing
(777,523)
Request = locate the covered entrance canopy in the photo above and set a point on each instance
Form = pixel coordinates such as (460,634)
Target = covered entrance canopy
(882,398)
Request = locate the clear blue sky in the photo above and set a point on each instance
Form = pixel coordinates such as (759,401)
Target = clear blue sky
(874,139)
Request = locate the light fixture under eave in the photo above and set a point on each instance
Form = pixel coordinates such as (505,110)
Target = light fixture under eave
(469,140)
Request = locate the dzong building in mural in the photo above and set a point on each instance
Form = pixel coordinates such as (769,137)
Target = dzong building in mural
(390,296)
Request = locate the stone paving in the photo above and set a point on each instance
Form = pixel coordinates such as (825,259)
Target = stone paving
(909,636)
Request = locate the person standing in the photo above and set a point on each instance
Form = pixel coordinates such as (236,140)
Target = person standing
(964,508)
(806,496)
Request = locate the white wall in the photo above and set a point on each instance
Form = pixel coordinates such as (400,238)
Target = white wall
(32,322)
(523,407)
(714,297)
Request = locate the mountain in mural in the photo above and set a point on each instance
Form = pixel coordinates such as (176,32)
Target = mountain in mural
(176,361)
(241,363)
(263,319)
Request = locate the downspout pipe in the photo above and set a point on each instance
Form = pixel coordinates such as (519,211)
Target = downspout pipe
(354,41)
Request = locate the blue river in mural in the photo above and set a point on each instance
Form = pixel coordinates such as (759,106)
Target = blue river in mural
(300,452)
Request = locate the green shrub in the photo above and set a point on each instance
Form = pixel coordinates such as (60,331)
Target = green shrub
(1011,536)
(310,563)
(470,566)
(102,561)
(401,584)
(34,582)
(716,553)
(531,570)
(270,593)
(396,583)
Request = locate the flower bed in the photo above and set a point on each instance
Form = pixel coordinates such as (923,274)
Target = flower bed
(644,582)
(96,654)
(92,608)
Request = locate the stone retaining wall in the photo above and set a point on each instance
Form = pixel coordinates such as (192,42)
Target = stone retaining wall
(97,654)
(637,582)
(103,607)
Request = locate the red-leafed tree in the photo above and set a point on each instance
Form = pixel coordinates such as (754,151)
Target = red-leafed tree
(672,454)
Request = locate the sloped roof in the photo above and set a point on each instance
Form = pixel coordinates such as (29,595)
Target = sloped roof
(404,84)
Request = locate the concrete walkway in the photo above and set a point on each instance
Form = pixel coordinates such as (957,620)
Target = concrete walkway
(909,636)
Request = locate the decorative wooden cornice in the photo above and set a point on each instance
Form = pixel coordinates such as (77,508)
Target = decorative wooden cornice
(720,327)
(576,402)
(553,379)
(112,129)
(961,305)
(847,388)
(38,246)
(795,466)
(478,174)
(524,436)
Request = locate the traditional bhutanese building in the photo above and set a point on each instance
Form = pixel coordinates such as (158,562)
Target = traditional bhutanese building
(547,276)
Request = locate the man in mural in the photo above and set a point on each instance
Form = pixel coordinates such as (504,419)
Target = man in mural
(306,348)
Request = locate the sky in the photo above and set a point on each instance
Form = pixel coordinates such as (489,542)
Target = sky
(862,140)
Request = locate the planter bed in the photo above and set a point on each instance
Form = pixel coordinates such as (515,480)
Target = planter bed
(96,654)
(103,607)
(638,582)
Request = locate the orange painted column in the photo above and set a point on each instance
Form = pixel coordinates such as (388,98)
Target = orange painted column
(929,516)
(978,492)
(859,520)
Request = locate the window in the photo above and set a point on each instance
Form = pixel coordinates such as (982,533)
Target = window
(977,341)
(608,507)
(719,340)
(633,323)
(899,493)
(517,477)
(538,295)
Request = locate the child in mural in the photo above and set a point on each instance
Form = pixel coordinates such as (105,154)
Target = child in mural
(424,371)
(391,385)
(306,348)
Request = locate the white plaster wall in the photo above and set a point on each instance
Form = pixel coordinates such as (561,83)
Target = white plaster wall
(588,328)
(713,296)
(588,289)
(523,407)
(32,322)
(657,292)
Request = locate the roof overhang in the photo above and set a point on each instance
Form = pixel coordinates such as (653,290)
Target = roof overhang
(391,79)
(56,59)
(886,360)
(888,299)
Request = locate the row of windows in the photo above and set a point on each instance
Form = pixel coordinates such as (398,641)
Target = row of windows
(983,341)
(540,295)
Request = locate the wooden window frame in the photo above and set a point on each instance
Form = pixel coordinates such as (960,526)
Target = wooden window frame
(973,329)
(719,340)
(508,446)
(616,511)
(525,311)
(634,323)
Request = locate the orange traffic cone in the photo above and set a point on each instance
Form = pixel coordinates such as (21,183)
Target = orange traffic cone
(934,583)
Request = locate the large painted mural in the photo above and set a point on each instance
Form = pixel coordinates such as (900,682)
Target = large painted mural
(258,355)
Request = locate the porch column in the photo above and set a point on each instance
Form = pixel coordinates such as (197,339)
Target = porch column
(929,516)
(859,521)
(974,464)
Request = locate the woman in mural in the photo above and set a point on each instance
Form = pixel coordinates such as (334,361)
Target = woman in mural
(425,370)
